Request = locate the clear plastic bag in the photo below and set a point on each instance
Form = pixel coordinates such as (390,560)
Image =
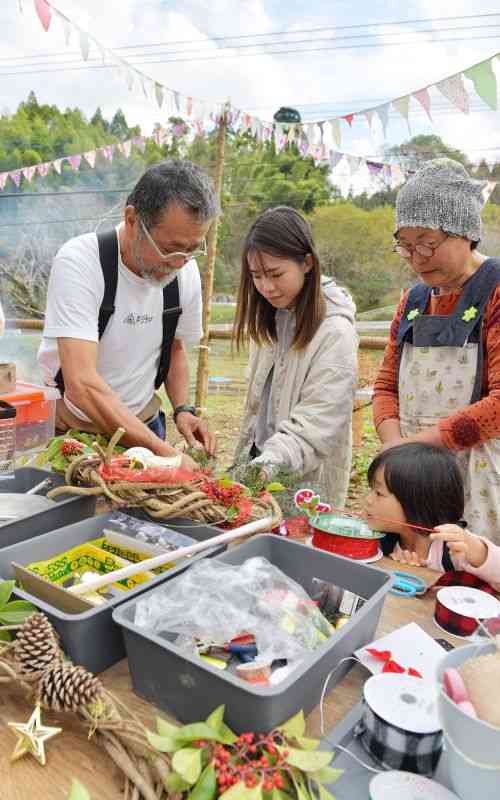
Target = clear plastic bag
(215,602)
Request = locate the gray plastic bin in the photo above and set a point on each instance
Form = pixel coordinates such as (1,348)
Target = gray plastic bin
(190,689)
(67,508)
(91,638)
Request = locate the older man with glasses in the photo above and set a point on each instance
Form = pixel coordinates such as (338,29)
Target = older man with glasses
(121,306)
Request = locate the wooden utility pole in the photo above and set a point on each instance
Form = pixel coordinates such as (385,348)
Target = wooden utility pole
(208,278)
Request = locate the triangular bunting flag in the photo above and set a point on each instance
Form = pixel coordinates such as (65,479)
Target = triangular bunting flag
(189,106)
(43,169)
(336,134)
(383,115)
(369,116)
(454,90)
(3,179)
(335,158)
(129,77)
(139,142)
(402,105)
(488,190)
(126,147)
(374,168)
(144,87)
(84,45)
(75,161)
(44,13)
(425,101)
(29,172)
(57,164)
(159,94)
(353,162)
(485,82)
(177,101)
(349,118)
(90,157)
(15,176)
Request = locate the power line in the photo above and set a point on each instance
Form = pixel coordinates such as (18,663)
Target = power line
(62,193)
(247,55)
(219,53)
(57,221)
(319,29)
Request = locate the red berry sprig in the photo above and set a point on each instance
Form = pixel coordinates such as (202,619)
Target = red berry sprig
(253,759)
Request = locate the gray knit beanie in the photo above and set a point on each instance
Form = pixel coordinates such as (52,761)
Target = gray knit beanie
(442,196)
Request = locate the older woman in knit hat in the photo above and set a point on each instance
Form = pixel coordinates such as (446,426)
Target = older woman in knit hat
(439,381)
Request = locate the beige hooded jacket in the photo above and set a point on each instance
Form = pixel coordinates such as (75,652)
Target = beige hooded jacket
(312,395)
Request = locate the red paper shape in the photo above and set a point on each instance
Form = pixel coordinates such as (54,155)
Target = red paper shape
(414,672)
(380,655)
(349,118)
(392,666)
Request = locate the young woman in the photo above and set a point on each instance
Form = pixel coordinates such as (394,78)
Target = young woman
(421,484)
(303,356)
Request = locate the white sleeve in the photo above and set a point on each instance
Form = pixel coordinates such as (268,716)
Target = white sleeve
(189,327)
(75,293)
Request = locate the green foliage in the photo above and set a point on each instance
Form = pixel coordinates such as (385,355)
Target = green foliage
(58,461)
(78,792)
(204,753)
(12,612)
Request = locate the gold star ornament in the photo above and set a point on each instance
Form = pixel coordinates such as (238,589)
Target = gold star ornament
(32,736)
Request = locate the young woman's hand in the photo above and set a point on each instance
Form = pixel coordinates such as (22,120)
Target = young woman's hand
(462,543)
(406,556)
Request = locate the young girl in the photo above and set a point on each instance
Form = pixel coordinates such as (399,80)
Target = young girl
(421,484)
(303,359)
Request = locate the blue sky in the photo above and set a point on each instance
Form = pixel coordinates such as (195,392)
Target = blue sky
(320,84)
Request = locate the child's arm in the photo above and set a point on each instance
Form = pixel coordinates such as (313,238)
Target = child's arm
(462,544)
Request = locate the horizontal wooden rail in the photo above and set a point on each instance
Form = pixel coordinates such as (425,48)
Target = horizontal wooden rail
(365,342)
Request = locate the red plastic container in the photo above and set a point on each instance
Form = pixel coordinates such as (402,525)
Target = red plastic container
(35,415)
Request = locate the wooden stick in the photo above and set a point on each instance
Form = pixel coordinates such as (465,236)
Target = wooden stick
(166,558)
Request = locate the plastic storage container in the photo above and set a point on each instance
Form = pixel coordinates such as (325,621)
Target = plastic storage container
(190,689)
(7,439)
(36,415)
(66,509)
(91,638)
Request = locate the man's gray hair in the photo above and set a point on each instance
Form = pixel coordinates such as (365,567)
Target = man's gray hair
(174,182)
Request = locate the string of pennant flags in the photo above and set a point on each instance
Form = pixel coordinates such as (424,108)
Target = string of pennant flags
(320,140)
(453,88)
(392,174)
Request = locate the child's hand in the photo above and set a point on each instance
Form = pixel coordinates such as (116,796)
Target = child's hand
(462,544)
(406,556)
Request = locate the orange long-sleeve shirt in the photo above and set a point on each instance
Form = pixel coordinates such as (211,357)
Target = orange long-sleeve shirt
(478,422)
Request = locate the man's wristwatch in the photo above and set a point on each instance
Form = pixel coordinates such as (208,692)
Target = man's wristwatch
(184,407)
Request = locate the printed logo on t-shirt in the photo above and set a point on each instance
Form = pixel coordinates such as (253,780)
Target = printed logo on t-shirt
(137,319)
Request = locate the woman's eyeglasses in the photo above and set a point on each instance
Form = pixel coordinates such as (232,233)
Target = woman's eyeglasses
(178,255)
(424,250)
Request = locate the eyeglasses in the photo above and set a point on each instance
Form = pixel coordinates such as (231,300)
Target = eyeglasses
(179,256)
(424,250)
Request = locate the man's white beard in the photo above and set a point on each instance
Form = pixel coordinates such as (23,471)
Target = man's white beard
(157,282)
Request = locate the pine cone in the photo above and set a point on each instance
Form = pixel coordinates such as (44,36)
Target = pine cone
(36,646)
(68,688)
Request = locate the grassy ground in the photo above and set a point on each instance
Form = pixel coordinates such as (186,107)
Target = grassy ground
(221,313)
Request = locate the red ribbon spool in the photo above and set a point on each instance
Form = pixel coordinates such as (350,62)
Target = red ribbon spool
(345,545)
(454,623)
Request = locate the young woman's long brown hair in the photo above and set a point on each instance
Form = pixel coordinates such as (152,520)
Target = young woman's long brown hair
(281,232)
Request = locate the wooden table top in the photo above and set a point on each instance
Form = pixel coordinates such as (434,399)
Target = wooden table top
(71,755)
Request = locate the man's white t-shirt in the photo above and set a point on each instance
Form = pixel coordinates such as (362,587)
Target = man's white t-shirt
(129,351)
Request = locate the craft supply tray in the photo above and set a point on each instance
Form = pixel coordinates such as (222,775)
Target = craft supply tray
(91,638)
(66,510)
(354,783)
(190,688)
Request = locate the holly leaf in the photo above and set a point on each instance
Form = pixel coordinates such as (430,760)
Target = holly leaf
(327,775)
(307,761)
(241,792)
(164,744)
(324,794)
(295,726)
(5,636)
(166,728)
(206,788)
(306,743)
(16,612)
(78,791)
(216,722)
(275,486)
(187,763)
(6,588)
(198,730)
(175,784)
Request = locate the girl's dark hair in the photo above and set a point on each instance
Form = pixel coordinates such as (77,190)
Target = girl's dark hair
(284,233)
(425,479)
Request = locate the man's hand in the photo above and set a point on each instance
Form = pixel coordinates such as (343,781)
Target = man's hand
(195,430)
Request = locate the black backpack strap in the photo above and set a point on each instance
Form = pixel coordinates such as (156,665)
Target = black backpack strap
(446,562)
(108,257)
(171,313)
